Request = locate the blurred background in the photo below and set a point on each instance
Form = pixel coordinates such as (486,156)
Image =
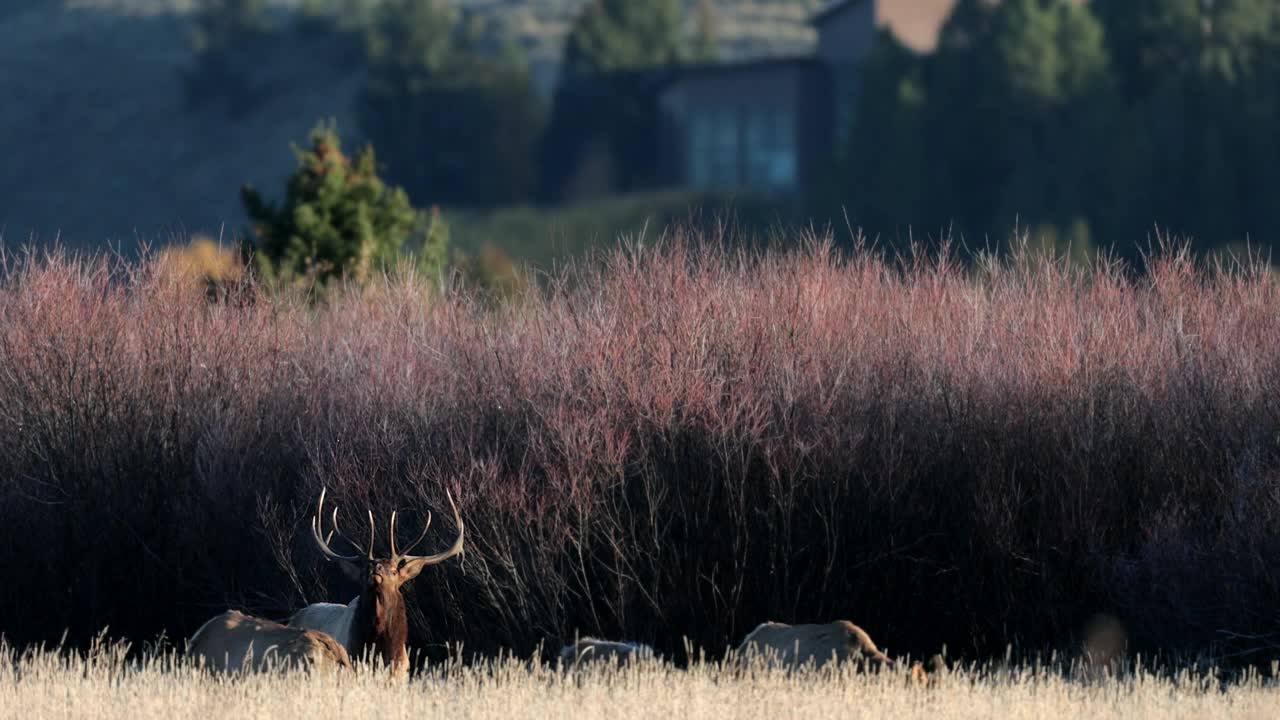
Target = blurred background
(530,130)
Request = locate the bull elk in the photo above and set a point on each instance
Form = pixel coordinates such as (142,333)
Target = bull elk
(375,621)
(234,642)
(791,646)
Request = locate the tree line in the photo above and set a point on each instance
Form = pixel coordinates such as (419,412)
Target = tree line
(1092,123)
(1099,121)
(448,100)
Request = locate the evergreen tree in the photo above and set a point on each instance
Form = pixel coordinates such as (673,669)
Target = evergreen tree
(1259,116)
(1092,120)
(882,173)
(412,37)
(460,125)
(705,45)
(619,35)
(962,143)
(1024,36)
(605,116)
(1086,66)
(1236,36)
(1055,80)
(1196,79)
(338,218)
(1018,96)
(1150,40)
(1160,41)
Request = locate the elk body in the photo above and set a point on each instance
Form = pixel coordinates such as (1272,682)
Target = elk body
(791,646)
(779,644)
(592,650)
(375,621)
(234,642)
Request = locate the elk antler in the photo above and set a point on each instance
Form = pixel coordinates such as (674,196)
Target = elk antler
(412,545)
(456,548)
(323,542)
(393,533)
(425,526)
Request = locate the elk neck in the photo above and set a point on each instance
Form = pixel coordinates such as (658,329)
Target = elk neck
(383,624)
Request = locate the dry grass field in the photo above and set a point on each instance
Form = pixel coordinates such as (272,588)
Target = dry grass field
(105,685)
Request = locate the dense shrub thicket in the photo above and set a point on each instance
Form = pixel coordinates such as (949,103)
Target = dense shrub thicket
(678,442)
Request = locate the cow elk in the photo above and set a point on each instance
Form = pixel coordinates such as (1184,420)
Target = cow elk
(792,646)
(591,650)
(234,642)
(375,621)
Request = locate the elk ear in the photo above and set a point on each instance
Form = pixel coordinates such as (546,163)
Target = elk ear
(408,568)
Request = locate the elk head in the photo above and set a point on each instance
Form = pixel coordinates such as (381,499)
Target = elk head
(385,574)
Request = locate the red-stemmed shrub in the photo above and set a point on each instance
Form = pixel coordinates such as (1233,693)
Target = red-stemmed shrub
(667,442)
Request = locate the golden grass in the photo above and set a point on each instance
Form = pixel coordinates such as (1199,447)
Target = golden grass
(105,685)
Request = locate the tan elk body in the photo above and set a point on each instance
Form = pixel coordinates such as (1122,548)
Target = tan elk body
(779,644)
(375,621)
(792,646)
(234,642)
(589,650)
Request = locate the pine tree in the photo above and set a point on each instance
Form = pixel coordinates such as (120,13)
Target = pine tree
(1049,52)
(604,117)
(415,37)
(1055,75)
(962,143)
(1150,40)
(705,45)
(338,218)
(1159,41)
(460,125)
(882,174)
(1197,79)
(616,35)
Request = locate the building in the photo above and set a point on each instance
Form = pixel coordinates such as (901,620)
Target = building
(772,125)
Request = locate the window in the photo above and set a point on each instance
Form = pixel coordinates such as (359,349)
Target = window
(770,148)
(726,148)
(752,147)
(783,165)
(758,139)
(713,141)
(699,150)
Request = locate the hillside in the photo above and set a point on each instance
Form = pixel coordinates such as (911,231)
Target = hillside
(100,143)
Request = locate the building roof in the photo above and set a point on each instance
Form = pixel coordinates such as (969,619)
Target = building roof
(915,22)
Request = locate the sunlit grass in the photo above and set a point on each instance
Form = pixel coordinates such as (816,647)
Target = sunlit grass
(104,684)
